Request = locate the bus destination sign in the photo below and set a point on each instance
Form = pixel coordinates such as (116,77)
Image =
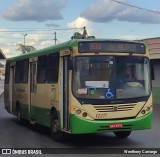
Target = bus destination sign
(111,46)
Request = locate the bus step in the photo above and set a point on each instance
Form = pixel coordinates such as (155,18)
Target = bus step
(32,122)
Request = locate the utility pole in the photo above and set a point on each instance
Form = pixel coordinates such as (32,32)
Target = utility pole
(24,35)
(55,38)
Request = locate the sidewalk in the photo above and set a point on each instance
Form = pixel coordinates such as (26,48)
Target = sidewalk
(156,106)
(1,91)
(1,86)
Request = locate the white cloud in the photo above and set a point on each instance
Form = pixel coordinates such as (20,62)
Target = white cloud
(46,43)
(2,41)
(129,37)
(78,23)
(107,10)
(52,25)
(81,22)
(7,52)
(35,10)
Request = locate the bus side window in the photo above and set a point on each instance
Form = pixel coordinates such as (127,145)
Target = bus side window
(21,73)
(52,67)
(7,73)
(25,70)
(41,69)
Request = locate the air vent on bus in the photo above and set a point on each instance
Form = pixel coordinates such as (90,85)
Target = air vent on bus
(114,108)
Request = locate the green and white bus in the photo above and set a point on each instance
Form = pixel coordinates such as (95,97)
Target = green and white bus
(82,86)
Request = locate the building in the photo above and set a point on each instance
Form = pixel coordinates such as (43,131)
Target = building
(154,51)
(2,66)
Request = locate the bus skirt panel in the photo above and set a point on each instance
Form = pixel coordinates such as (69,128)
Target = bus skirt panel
(80,126)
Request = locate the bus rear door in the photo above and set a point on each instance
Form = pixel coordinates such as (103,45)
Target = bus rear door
(33,86)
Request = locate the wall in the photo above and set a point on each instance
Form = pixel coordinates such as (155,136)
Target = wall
(154,51)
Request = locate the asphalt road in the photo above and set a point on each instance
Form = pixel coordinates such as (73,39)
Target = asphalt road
(13,135)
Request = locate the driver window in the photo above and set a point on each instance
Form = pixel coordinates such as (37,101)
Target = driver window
(125,73)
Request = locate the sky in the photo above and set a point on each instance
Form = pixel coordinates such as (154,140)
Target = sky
(36,21)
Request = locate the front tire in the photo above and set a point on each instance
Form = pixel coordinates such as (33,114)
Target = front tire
(56,134)
(122,134)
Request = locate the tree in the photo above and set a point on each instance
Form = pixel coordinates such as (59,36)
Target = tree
(77,35)
(25,48)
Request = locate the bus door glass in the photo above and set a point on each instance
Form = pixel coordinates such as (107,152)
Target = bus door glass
(65,94)
(11,87)
(33,84)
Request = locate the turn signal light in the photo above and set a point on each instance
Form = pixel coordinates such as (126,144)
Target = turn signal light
(73,109)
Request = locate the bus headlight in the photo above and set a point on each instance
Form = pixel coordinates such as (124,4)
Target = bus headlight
(81,113)
(145,110)
(78,111)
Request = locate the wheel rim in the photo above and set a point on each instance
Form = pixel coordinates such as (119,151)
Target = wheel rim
(55,126)
(18,115)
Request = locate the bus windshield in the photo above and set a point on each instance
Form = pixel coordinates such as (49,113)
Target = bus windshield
(111,77)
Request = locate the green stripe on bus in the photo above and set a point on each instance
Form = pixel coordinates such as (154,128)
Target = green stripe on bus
(40,115)
(80,125)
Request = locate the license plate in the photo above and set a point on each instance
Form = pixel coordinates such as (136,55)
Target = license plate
(116,125)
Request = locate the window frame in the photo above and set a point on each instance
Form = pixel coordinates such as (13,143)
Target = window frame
(50,65)
(21,71)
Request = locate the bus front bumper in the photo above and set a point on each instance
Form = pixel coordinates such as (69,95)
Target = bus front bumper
(81,126)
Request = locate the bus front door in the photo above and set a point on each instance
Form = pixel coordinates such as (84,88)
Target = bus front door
(12,89)
(65,104)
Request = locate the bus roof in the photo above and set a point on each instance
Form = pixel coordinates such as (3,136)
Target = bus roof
(58,47)
(50,49)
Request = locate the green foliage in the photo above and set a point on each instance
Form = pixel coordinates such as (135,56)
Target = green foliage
(25,48)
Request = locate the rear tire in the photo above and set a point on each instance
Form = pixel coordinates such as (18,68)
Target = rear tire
(19,117)
(56,134)
(122,134)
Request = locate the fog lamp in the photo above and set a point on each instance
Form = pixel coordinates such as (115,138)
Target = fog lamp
(84,114)
(143,112)
(148,109)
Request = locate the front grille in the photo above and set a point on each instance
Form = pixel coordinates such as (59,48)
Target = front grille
(114,108)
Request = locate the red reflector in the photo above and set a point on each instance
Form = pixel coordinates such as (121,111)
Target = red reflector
(116,125)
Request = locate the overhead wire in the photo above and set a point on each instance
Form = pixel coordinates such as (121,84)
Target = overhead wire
(137,7)
(36,30)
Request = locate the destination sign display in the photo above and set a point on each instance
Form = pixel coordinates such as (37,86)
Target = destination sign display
(111,46)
